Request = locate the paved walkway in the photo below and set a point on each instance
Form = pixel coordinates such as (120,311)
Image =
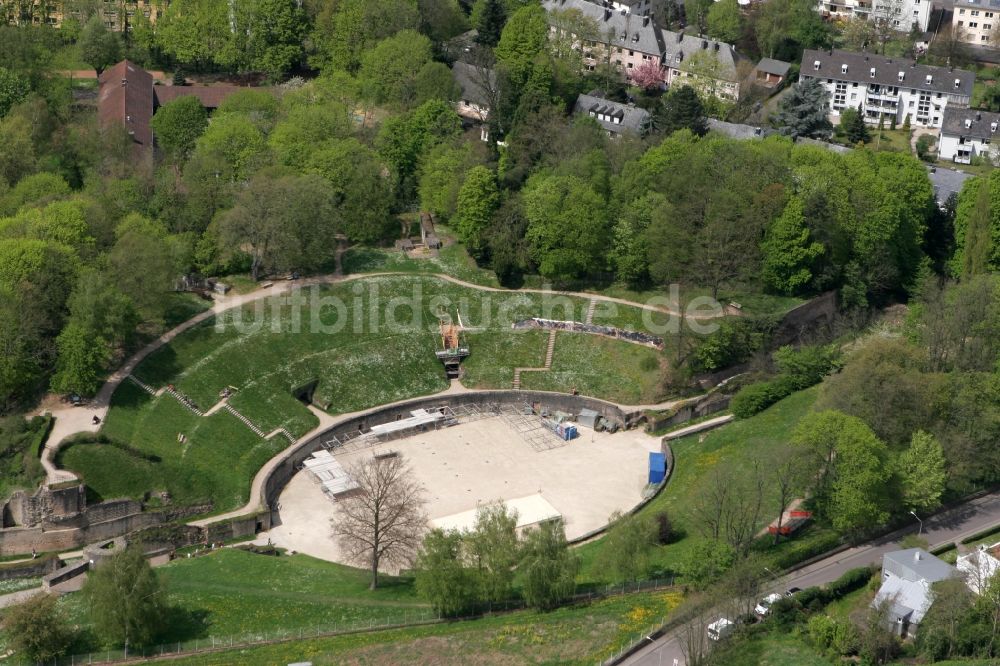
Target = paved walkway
(72,420)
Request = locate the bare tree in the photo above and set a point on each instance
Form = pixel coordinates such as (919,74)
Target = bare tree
(383,521)
(790,471)
(693,634)
(887,17)
(730,504)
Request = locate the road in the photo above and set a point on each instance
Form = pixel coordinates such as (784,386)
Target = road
(948,526)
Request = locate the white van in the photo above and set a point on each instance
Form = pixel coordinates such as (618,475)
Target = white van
(721,628)
(764,607)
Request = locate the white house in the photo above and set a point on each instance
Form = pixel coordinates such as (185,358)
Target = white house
(968,133)
(614,117)
(979,566)
(976,21)
(907,577)
(885,87)
(902,14)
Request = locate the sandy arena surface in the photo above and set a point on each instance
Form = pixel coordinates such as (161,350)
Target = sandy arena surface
(482,461)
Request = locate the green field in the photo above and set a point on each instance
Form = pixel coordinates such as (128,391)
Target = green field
(234,593)
(693,461)
(773,649)
(362,343)
(574,635)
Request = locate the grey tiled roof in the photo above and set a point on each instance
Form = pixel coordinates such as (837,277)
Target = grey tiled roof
(946,182)
(471,82)
(737,131)
(772,66)
(681,46)
(915,564)
(631,118)
(636,33)
(980,125)
(859,66)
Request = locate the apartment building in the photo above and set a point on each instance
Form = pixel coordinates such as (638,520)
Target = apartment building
(887,88)
(117,15)
(976,21)
(902,14)
(628,40)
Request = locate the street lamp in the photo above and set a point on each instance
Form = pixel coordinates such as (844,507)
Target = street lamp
(921,528)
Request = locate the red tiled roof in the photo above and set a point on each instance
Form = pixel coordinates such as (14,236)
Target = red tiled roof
(126,99)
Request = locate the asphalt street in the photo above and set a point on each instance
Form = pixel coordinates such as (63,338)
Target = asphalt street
(948,526)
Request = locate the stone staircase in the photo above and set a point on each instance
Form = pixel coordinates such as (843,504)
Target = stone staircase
(141,384)
(185,401)
(590,311)
(549,353)
(247,422)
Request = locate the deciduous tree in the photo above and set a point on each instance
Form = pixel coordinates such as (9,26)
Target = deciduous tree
(178,124)
(382,523)
(126,600)
(442,577)
(548,565)
(922,472)
(38,628)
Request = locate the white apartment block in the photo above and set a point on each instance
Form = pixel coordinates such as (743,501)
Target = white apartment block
(903,14)
(628,40)
(969,133)
(976,21)
(887,87)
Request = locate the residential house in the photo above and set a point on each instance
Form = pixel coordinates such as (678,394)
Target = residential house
(127,97)
(884,87)
(979,566)
(946,182)
(616,118)
(477,87)
(907,577)
(628,40)
(976,21)
(738,130)
(118,16)
(709,66)
(770,72)
(968,133)
(903,15)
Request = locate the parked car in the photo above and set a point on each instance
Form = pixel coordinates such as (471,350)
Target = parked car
(721,628)
(764,606)
(792,590)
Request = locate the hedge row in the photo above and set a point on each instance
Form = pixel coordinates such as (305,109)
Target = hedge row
(755,398)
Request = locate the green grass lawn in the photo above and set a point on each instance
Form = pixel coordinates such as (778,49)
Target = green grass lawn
(773,649)
(232,593)
(693,460)
(452,260)
(577,635)
(364,344)
(625,373)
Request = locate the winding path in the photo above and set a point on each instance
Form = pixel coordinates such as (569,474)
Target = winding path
(72,420)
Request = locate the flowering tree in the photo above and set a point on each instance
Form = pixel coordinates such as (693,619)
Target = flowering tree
(648,75)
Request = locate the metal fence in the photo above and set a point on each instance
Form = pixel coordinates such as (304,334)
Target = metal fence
(412,618)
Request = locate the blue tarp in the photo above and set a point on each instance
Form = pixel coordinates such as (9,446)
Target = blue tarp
(657,467)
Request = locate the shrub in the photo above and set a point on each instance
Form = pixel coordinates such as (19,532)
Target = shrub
(734,342)
(757,397)
(852,580)
(924,144)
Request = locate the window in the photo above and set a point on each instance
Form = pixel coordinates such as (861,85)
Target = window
(974,12)
(631,53)
(984,38)
(854,96)
(961,12)
(973,24)
(961,23)
(987,26)
(988,14)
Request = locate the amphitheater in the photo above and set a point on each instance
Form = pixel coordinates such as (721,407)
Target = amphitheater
(483,449)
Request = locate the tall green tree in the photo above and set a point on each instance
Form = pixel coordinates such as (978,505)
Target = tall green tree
(567,226)
(853,125)
(347,29)
(548,565)
(491,21)
(495,549)
(194,32)
(803,112)
(789,253)
(851,485)
(82,358)
(627,547)
(99,47)
(522,40)
(478,200)
(682,109)
(922,471)
(38,628)
(178,124)
(14,88)
(442,578)
(389,71)
(361,191)
(126,600)
(724,20)
(266,36)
